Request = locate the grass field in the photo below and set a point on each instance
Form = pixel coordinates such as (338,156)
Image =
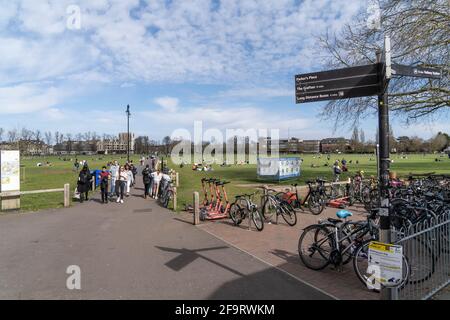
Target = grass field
(61,172)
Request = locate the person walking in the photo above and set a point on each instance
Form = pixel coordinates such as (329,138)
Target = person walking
(336,171)
(147,179)
(157,176)
(114,169)
(134,172)
(129,174)
(121,183)
(84,183)
(104,177)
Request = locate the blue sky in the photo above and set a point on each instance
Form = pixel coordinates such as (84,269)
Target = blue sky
(230,64)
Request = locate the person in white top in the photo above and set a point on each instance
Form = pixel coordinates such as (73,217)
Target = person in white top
(121,182)
(157,176)
(129,178)
(114,169)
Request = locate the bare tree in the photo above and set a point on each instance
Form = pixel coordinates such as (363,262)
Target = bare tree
(48,137)
(419,32)
(38,135)
(12,135)
(1,134)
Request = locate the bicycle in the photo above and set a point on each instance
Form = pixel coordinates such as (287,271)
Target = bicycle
(244,207)
(273,205)
(166,193)
(337,242)
(314,199)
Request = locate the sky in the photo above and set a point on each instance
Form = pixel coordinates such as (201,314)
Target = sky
(73,66)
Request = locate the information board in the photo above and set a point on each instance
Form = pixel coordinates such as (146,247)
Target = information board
(9,171)
(386,262)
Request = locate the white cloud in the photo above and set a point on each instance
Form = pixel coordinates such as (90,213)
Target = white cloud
(184,41)
(54,114)
(257,92)
(169,104)
(127,85)
(26,98)
(222,118)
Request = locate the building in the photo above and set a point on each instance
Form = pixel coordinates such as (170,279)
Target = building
(309,146)
(117,146)
(76,147)
(330,145)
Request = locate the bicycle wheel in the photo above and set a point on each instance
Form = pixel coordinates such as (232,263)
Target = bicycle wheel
(258,220)
(288,213)
(236,214)
(361,268)
(269,208)
(315,247)
(316,204)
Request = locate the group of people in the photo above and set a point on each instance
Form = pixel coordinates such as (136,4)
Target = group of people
(338,169)
(117,180)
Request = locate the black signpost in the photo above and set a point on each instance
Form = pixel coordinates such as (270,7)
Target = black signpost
(420,72)
(336,84)
(361,81)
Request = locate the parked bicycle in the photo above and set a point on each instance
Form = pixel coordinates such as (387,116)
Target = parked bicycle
(244,207)
(276,206)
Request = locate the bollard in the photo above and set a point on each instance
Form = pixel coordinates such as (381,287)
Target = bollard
(174,199)
(177,179)
(93,184)
(196,208)
(66,195)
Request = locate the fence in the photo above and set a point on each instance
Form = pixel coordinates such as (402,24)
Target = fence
(65,189)
(426,246)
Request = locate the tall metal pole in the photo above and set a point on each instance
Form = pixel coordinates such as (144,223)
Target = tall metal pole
(128,133)
(384,164)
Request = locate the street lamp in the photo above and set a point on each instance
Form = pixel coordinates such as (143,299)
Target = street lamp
(128,132)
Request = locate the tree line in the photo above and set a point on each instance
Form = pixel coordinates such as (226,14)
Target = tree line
(409,144)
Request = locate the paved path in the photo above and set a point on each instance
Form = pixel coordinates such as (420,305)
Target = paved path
(132,251)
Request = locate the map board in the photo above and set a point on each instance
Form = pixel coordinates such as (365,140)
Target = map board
(9,171)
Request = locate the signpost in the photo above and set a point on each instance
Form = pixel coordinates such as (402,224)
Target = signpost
(420,72)
(336,84)
(361,81)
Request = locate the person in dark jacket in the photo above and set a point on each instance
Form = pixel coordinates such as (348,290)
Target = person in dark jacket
(84,183)
(147,179)
(104,177)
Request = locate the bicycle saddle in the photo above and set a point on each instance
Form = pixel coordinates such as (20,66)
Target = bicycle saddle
(309,182)
(321,180)
(294,185)
(343,214)
(334,221)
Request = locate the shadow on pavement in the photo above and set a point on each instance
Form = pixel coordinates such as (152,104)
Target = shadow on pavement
(187,256)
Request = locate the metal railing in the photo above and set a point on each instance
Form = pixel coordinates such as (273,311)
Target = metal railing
(426,246)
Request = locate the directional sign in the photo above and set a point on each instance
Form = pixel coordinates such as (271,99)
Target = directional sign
(421,72)
(338,84)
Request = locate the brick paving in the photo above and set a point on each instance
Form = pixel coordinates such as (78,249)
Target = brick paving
(277,246)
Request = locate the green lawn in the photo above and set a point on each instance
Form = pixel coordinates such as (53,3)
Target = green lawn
(61,173)
(246,174)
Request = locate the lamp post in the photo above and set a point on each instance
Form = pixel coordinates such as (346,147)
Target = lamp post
(128,132)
